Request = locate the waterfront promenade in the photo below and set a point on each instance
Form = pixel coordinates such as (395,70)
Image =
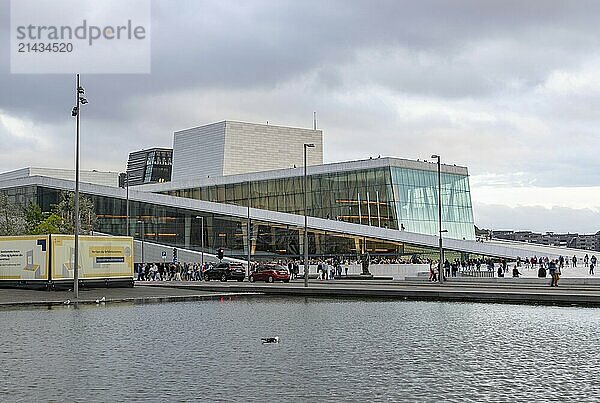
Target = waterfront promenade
(533,291)
(508,290)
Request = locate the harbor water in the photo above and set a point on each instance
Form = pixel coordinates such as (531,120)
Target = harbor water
(329,350)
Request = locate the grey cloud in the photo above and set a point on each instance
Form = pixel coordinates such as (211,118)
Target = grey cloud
(279,61)
(211,44)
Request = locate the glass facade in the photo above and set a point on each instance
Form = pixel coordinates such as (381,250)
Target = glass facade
(182,228)
(389,197)
(158,166)
(416,200)
(354,196)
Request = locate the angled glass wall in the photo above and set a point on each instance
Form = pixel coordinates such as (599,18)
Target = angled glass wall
(389,197)
(416,196)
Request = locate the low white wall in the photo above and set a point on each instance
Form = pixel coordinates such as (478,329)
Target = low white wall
(396,271)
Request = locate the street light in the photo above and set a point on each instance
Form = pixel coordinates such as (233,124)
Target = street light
(143,237)
(248,229)
(201,236)
(127,205)
(306,265)
(439,172)
(76,112)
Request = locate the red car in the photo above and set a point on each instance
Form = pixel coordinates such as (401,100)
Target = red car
(270,273)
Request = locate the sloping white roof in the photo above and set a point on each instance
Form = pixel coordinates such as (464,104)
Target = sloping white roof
(299,171)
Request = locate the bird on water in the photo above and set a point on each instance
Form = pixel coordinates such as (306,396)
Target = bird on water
(267,340)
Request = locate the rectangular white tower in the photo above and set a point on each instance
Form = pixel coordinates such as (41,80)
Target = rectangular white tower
(229,148)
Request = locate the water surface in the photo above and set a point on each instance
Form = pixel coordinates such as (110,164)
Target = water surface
(330,350)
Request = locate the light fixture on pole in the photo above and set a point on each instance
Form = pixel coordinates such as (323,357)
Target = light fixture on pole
(439,174)
(306,265)
(76,112)
(201,218)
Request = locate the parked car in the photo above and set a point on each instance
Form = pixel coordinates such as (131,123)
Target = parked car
(270,273)
(225,271)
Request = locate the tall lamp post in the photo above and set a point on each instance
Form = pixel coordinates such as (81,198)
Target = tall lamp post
(248,229)
(201,218)
(143,237)
(306,265)
(127,205)
(76,112)
(439,175)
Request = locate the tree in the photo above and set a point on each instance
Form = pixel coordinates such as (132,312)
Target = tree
(65,209)
(33,217)
(12,219)
(50,225)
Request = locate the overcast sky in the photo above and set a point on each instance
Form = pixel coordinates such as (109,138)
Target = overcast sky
(510,89)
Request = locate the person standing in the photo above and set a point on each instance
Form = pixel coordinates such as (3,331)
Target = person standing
(586,260)
(574,261)
(447,268)
(432,276)
(552,272)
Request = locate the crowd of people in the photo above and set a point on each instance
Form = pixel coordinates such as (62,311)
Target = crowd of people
(562,262)
(544,265)
(326,268)
(171,271)
(451,268)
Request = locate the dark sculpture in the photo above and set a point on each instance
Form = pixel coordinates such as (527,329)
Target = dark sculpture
(365,264)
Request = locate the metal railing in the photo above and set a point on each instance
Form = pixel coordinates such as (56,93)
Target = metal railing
(476,273)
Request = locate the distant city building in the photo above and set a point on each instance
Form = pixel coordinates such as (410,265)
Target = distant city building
(230,148)
(569,240)
(152,165)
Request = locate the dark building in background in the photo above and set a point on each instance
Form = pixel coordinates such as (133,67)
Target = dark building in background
(578,241)
(149,166)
